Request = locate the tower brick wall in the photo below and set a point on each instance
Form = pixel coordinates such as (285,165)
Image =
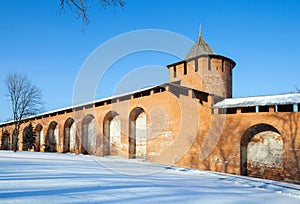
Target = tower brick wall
(208,73)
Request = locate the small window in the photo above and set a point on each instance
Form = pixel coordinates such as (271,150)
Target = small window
(115,100)
(69,110)
(263,109)
(227,110)
(88,106)
(174,72)
(61,112)
(137,95)
(100,103)
(285,108)
(251,109)
(159,89)
(231,110)
(223,64)
(184,69)
(79,108)
(222,111)
(53,114)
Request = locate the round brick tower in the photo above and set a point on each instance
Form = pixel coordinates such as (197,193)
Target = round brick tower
(204,70)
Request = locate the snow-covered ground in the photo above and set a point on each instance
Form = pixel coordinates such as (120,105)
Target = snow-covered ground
(27,177)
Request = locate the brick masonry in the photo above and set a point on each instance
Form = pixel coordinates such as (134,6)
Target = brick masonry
(175,124)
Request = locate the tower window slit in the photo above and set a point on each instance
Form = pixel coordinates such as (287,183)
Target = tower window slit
(174,73)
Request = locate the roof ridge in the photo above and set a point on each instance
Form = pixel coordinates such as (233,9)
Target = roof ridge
(200,47)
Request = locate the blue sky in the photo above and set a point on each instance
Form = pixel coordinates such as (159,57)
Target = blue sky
(261,36)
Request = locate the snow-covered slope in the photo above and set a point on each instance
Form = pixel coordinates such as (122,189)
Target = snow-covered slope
(65,178)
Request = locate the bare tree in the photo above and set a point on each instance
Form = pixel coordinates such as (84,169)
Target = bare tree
(81,7)
(25,99)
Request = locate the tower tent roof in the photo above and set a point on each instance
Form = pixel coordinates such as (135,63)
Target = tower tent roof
(199,48)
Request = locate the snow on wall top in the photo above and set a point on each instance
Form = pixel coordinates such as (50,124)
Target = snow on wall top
(259,101)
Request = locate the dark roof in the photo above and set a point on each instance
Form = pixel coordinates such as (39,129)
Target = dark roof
(199,48)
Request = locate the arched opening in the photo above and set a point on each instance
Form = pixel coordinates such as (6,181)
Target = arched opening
(88,140)
(73,138)
(24,146)
(52,137)
(38,137)
(262,152)
(69,136)
(5,140)
(112,134)
(137,133)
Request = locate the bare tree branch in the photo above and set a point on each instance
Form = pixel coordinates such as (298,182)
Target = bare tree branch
(25,99)
(81,7)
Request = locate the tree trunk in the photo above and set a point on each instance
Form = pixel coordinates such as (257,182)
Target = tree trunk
(15,142)
(15,137)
